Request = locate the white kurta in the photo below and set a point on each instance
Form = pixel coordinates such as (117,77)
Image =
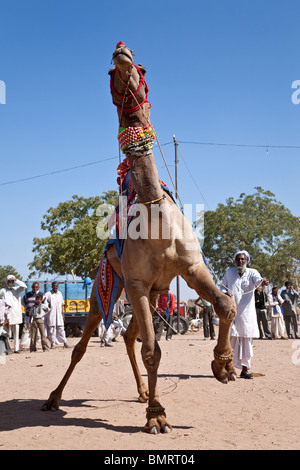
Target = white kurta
(242,289)
(13,297)
(277,323)
(55,302)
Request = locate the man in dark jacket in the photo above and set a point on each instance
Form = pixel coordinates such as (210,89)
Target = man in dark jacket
(290,297)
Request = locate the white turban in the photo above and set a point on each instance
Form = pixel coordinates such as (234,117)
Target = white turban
(10,278)
(242,252)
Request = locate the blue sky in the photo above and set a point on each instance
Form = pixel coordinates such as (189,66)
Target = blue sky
(218,72)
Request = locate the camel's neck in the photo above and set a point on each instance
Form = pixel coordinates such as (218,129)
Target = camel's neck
(143,171)
(144,177)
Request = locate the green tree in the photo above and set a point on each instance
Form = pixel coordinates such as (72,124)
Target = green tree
(72,244)
(259,224)
(4,272)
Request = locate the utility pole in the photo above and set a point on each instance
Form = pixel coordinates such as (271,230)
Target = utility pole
(177,279)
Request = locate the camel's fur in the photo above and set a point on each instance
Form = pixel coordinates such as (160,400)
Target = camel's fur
(148,267)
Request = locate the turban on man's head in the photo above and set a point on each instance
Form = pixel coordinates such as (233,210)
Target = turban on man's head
(242,252)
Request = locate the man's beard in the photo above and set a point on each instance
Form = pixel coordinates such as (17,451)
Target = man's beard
(241,269)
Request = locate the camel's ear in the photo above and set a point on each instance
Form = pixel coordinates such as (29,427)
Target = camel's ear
(142,69)
(111,71)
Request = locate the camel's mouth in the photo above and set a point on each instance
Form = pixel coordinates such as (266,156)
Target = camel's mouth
(121,55)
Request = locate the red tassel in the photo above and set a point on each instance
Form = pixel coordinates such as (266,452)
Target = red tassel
(120,44)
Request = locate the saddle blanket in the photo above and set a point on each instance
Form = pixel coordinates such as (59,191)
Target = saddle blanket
(107,288)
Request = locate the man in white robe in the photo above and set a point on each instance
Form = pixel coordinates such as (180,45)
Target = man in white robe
(275,311)
(12,295)
(55,319)
(240,283)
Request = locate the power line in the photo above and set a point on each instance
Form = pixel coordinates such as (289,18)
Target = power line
(165,144)
(241,145)
(58,171)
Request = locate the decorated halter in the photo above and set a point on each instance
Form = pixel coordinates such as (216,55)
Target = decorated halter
(129,95)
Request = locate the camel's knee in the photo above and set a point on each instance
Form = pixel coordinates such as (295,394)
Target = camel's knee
(78,352)
(151,357)
(225,308)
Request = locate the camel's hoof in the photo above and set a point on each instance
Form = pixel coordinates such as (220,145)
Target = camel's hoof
(143,394)
(157,425)
(143,398)
(220,372)
(166,429)
(153,430)
(46,407)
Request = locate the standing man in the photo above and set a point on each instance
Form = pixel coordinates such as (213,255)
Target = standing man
(12,295)
(240,283)
(261,303)
(208,326)
(28,301)
(290,297)
(55,319)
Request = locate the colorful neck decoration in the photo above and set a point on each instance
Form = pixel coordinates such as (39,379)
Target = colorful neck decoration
(136,140)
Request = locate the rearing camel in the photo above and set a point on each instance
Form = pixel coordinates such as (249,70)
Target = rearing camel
(165,257)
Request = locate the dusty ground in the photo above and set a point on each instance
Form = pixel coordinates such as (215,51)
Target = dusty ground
(99,409)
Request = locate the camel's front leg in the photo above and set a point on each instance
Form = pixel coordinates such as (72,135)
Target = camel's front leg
(198,278)
(93,319)
(151,354)
(130,336)
(222,365)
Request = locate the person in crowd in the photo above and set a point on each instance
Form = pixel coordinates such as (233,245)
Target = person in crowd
(28,301)
(166,306)
(4,328)
(261,303)
(55,318)
(12,295)
(240,282)
(115,328)
(275,302)
(290,297)
(208,314)
(37,313)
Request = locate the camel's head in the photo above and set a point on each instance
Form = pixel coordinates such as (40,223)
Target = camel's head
(128,88)
(122,56)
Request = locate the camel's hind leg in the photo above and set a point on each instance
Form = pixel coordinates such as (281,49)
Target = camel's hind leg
(93,319)
(199,278)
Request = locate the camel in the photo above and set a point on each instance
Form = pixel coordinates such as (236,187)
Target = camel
(149,264)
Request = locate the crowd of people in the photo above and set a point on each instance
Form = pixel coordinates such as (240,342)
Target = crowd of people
(43,319)
(253,307)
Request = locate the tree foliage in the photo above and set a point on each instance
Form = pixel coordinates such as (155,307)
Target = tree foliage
(4,272)
(259,224)
(72,244)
